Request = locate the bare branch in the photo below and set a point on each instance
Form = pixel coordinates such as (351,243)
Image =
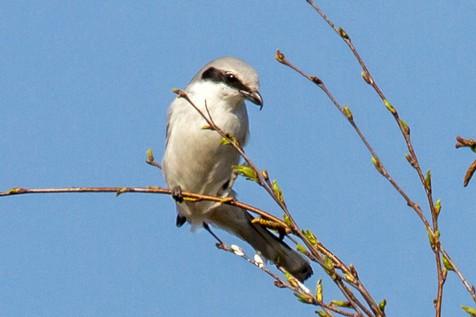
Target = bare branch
(316,250)
(463,142)
(469,287)
(425,178)
(151,160)
(188,196)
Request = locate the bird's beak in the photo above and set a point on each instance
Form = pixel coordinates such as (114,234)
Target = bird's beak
(254,97)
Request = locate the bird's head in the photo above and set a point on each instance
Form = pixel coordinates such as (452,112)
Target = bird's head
(234,79)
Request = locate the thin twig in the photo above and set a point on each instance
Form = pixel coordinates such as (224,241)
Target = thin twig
(193,197)
(469,143)
(281,58)
(151,160)
(469,287)
(262,179)
(292,284)
(464,142)
(411,157)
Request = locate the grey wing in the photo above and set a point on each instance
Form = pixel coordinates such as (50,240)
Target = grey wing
(167,128)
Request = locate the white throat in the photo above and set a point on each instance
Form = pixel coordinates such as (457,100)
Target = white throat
(215,94)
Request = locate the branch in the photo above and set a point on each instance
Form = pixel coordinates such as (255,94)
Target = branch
(425,178)
(451,266)
(470,143)
(300,290)
(316,251)
(188,196)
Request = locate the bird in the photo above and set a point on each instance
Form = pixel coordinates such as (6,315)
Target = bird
(196,160)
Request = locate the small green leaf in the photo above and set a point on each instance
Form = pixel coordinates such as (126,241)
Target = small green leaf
(301,248)
(377,164)
(428,180)
(375,161)
(434,238)
(366,77)
(438,206)
(343,34)
(340,303)
(246,171)
(265,175)
(447,263)
(322,313)
(349,277)
(389,106)
(277,191)
(292,280)
(382,304)
(304,298)
(15,190)
(347,112)
(319,291)
(149,155)
(121,191)
(230,139)
(279,56)
(287,220)
(469,310)
(310,236)
(404,126)
(410,160)
(328,265)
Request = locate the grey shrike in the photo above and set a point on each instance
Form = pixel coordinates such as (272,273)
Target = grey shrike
(195,159)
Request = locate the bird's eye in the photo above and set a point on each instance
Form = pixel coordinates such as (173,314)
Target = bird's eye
(230,78)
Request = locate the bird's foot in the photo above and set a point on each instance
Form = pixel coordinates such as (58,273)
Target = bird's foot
(177,194)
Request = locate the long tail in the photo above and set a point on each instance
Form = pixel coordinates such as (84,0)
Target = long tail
(238,222)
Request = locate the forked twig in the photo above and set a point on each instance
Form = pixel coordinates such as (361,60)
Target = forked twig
(425,178)
(316,251)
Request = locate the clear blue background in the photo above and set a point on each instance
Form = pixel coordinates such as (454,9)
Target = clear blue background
(84,88)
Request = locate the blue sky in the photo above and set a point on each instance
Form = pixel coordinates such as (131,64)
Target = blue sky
(84,90)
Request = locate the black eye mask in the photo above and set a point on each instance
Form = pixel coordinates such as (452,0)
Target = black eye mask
(220,76)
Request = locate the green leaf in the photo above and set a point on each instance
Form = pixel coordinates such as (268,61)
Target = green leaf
(279,56)
(438,206)
(304,298)
(277,191)
(377,164)
(366,77)
(447,263)
(343,34)
(319,291)
(246,171)
(328,265)
(434,237)
(389,106)
(149,155)
(310,236)
(469,310)
(322,313)
(287,220)
(340,303)
(301,248)
(428,180)
(15,190)
(347,112)
(404,126)
(375,161)
(122,191)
